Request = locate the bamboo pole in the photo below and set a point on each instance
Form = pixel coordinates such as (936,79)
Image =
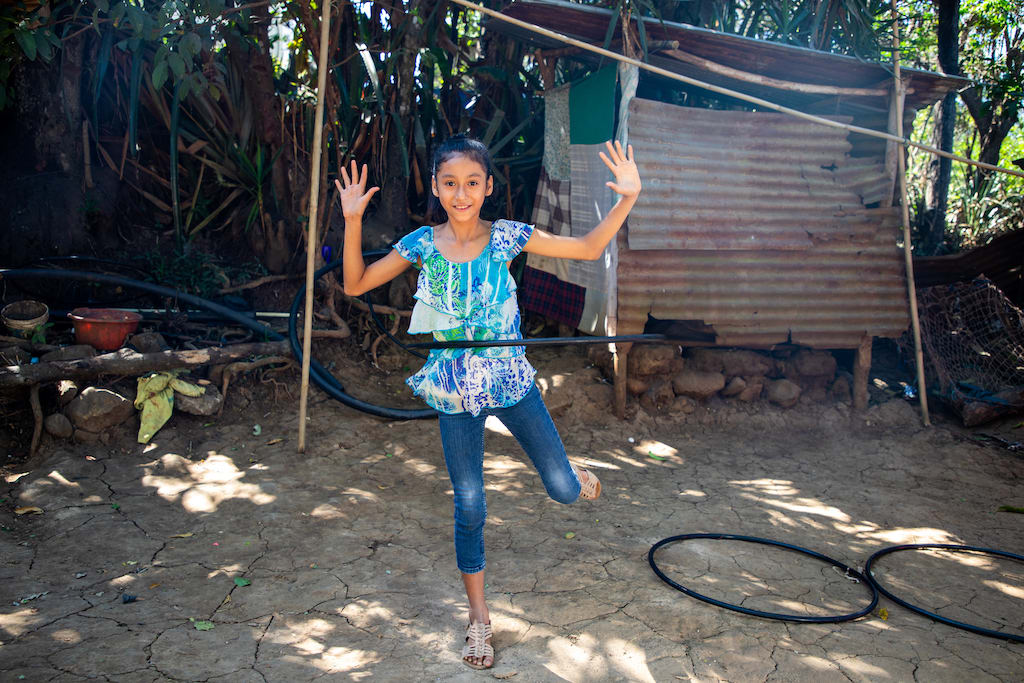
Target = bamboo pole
(731,93)
(314,200)
(908,258)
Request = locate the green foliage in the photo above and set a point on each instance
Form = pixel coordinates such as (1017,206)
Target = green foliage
(38,335)
(991,41)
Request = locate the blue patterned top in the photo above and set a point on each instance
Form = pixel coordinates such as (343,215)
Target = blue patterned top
(473,301)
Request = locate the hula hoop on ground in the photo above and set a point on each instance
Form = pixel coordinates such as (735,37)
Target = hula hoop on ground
(826,619)
(931,615)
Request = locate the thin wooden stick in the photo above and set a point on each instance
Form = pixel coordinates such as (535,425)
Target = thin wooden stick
(37,416)
(908,257)
(86,154)
(726,91)
(314,197)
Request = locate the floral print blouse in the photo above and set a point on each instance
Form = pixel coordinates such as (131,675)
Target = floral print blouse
(474,301)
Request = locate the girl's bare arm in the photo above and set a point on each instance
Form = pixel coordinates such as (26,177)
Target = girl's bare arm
(357,277)
(590,246)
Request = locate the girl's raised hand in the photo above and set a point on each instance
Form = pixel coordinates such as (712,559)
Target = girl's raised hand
(352,191)
(622,166)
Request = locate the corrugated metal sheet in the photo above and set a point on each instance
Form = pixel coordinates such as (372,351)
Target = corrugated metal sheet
(775,60)
(756,224)
(738,180)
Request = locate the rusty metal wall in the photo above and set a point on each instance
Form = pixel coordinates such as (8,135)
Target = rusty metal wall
(756,224)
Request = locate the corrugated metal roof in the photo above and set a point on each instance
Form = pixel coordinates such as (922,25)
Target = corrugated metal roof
(775,60)
(756,224)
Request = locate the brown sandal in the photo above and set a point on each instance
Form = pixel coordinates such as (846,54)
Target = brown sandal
(477,645)
(590,488)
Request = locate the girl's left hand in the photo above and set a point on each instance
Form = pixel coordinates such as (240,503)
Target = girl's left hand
(627,177)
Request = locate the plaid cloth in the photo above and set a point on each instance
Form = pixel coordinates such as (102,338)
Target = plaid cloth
(551,213)
(551,205)
(545,294)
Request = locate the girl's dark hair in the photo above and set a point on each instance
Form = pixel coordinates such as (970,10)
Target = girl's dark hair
(456,145)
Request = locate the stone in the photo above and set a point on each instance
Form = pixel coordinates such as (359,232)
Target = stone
(637,385)
(735,387)
(148,342)
(708,360)
(783,392)
(206,404)
(651,359)
(85,436)
(659,396)
(67,389)
(841,390)
(72,352)
(810,363)
(97,409)
(752,392)
(698,384)
(59,426)
(736,362)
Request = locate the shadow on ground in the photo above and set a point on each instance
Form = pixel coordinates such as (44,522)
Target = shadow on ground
(249,562)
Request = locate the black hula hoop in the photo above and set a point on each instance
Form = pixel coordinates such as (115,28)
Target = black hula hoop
(931,615)
(848,571)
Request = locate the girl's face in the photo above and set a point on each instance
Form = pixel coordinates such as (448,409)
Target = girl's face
(461,184)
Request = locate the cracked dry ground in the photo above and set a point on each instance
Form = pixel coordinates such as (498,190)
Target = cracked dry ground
(348,550)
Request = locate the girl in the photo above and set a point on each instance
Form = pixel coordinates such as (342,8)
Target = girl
(465,291)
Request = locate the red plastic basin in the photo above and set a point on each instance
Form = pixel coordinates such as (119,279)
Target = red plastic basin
(104,329)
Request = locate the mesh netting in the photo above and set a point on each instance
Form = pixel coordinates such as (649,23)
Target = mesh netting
(973,339)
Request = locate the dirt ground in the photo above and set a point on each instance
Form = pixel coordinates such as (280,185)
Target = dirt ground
(250,562)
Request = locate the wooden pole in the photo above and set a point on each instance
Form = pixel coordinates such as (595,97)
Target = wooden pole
(905,208)
(314,199)
(726,91)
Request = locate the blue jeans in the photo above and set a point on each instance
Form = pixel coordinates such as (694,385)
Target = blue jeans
(462,436)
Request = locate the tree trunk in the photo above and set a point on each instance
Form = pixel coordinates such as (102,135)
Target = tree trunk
(128,362)
(41,161)
(934,219)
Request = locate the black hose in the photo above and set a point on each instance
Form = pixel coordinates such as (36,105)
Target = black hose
(540,341)
(931,615)
(847,571)
(320,376)
(326,381)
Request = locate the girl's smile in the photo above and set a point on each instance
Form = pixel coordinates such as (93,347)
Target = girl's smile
(461,184)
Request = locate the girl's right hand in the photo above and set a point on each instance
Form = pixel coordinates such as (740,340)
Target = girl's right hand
(352,191)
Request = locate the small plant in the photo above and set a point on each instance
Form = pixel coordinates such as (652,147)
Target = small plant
(38,335)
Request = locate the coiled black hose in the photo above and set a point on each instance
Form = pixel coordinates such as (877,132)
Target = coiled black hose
(803,618)
(325,380)
(1015,637)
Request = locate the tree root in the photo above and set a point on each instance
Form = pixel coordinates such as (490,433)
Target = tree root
(244,366)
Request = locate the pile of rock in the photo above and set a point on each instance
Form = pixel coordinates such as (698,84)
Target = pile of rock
(88,413)
(666,380)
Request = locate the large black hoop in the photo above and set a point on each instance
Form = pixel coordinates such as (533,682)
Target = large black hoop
(847,571)
(931,615)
